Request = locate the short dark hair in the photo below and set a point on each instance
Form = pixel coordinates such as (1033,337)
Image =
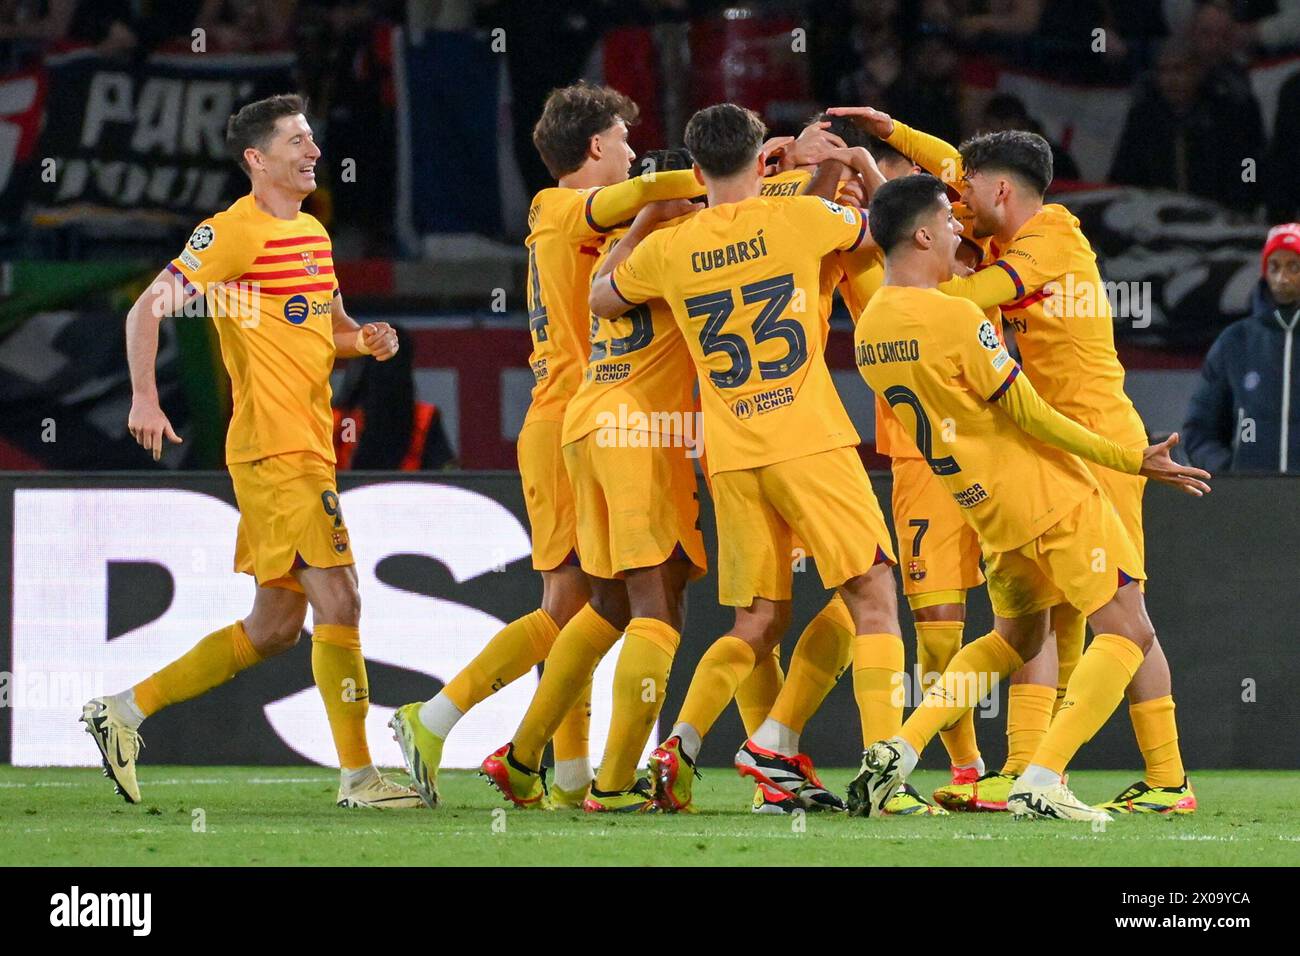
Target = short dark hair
(725,138)
(880,150)
(1006,106)
(1025,155)
(254,124)
(845,129)
(571,116)
(899,204)
(662,160)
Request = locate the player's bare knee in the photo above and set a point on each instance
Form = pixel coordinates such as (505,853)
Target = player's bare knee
(777,626)
(561,611)
(342,605)
(762,624)
(1025,634)
(762,640)
(772,622)
(276,620)
(274,634)
(609,600)
(286,634)
(940,613)
(564,593)
(614,612)
(658,594)
(872,600)
(1142,634)
(657,607)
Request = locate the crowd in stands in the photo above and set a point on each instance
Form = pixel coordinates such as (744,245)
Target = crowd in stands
(1193,114)
(342,64)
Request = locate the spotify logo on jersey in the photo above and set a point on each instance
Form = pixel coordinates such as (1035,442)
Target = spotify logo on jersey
(296,309)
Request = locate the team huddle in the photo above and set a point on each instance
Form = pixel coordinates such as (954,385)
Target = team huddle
(706,284)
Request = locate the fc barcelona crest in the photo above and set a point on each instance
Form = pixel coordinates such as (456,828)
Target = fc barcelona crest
(340,541)
(309,263)
(916,569)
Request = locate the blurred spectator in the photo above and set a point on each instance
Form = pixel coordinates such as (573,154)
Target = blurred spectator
(1006,112)
(167,25)
(1211,37)
(835,37)
(928,92)
(1281,182)
(545,49)
(1089,41)
(1142,26)
(103,24)
(345,67)
(1189,129)
(242,25)
(1240,26)
(1272,32)
(877,48)
(1245,415)
(1002,18)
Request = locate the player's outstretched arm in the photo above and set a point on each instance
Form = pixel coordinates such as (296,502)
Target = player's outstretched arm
(146,422)
(986,288)
(1021,401)
(1159,465)
(936,156)
(604,299)
(611,205)
(376,339)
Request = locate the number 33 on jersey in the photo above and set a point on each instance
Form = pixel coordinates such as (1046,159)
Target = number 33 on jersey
(742,281)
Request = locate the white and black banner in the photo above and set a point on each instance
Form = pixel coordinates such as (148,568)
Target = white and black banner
(149,136)
(110,584)
(1188,265)
(104,579)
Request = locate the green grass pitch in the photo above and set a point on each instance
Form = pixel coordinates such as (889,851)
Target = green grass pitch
(285,816)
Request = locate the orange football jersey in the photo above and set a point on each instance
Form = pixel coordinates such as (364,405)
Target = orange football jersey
(270,288)
(742,280)
(638,374)
(941,366)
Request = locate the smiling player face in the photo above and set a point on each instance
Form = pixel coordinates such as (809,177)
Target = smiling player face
(980,193)
(944,232)
(612,153)
(289,159)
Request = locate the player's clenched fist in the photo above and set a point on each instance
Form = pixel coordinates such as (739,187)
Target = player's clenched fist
(149,426)
(1157,465)
(379,340)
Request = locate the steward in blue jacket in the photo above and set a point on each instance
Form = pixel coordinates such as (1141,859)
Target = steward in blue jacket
(1245,415)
